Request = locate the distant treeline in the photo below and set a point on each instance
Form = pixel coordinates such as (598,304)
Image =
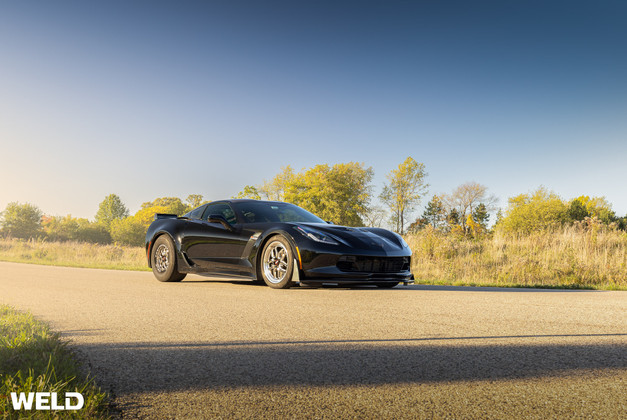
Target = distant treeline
(341,193)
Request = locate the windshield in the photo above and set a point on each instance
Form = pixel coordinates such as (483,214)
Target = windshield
(263,212)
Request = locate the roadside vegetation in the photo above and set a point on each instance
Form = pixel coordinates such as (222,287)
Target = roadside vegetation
(35,359)
(73,254)
(571,257)
(462,237)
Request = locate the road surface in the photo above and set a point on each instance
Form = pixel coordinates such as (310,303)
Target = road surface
(214,348)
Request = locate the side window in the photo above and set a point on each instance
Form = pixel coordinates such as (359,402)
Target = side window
(196,213)
(222,209)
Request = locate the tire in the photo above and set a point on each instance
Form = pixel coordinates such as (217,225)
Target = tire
(163,260)
(386,285)
(277,263)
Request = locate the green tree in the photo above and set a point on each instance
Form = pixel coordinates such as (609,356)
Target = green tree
(21,220)
(403,192)
(584,206)
(128,231)
(481,216)
(249,191)
(435,212)
(173,205)
(92,232)
(577,211)
(110,209)
(69,228)
(539,211)
(453,218)
(59,228)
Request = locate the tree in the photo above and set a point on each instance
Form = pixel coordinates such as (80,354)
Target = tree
(374,216)
(584,206)
(147,216)
(539,211)
(172,205)
(249,191)
(69,228)
(481,216)
(92,232)
(129,231)
(275,188)
(111,208)
(435,212)
(340,193)
(419,224)
(194,200)
(466,197)
(453,218)
(21,220)
(59,228)
(577,211)
(403,192)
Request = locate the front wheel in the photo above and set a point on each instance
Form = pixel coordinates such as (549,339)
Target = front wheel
(163,260)
(277,263)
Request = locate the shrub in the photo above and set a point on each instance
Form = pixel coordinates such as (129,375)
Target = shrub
(129,231)
(21,220)
(539,211)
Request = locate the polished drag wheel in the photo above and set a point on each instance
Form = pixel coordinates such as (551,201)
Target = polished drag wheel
(277,263)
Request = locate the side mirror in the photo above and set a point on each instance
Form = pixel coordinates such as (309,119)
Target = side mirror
(218,218)
(329,222)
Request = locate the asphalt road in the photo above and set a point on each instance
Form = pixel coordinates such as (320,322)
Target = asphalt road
(209,348)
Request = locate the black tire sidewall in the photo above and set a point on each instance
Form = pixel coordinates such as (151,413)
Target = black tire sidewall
(170,274)
(287,281)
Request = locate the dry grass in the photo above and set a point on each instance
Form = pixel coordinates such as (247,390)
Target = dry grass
(73,254)
(575,257)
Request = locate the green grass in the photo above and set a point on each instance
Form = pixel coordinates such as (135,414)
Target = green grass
(73,254)
(35,359)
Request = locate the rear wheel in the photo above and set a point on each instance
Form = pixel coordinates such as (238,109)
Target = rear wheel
(163,260)
(277,263)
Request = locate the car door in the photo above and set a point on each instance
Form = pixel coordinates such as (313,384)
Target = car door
(212,246)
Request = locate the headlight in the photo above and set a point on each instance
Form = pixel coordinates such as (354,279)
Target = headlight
(316,235)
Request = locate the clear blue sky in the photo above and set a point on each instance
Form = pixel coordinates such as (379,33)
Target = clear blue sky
(150,99)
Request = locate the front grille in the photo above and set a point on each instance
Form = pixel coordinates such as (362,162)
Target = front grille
(373,264)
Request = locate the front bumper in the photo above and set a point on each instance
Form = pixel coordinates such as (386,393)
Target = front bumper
(350,267)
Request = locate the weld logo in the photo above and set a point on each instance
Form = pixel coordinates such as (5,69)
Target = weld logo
(46,401)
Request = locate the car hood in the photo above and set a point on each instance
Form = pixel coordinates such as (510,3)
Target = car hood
(362,237)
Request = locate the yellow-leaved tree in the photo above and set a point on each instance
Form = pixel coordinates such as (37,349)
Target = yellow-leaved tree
(406,186)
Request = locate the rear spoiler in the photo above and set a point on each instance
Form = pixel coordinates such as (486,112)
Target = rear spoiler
(165,216)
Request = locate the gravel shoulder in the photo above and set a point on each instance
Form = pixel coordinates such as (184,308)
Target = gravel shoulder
(211,347)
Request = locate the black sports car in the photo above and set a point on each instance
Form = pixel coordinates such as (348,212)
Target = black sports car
(276,242)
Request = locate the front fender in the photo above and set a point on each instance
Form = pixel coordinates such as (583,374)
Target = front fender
(255,253)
